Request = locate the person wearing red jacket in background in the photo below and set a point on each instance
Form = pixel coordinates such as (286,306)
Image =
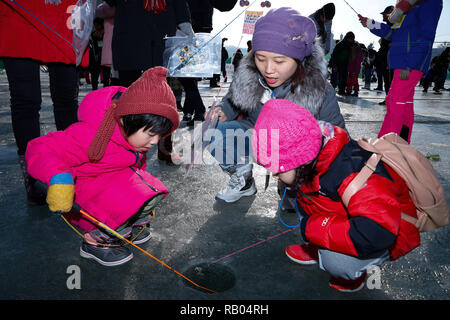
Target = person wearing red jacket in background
(320,160)
(25,45)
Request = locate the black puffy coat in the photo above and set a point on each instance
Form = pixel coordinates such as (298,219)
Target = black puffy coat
(202,12)
(138,38)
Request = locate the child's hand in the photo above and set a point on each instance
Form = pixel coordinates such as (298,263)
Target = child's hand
(60,192)
(218,113)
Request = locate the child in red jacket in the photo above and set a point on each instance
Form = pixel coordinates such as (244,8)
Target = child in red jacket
(320,160)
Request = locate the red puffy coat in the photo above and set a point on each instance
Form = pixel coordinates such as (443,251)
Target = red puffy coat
(372,222)
(22,36)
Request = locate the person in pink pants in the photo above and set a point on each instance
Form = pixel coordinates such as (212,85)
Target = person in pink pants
(399,116)
(412,31)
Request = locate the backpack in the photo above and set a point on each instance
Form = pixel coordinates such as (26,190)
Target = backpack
(414,168)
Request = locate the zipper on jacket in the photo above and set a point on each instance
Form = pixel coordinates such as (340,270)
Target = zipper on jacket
(135,171)
(150,186)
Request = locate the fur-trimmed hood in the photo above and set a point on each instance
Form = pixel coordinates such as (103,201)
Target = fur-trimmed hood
(248,87)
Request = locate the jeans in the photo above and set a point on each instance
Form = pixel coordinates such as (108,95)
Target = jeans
(368,77)
(25,90)
(230,144)
(340,265)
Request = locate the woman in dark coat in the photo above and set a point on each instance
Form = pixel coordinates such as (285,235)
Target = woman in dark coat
(138,41)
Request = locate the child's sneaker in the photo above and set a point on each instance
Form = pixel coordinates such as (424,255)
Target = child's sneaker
(344,285)
(140,234)
(303,254)
(106,256)
(105,249)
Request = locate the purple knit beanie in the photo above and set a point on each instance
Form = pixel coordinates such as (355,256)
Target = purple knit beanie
(285,31)
(285,136)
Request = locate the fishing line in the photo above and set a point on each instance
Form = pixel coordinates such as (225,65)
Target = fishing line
(351,7)
(254,245)
(118,235)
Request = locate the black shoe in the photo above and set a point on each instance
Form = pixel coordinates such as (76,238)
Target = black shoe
(382,103)
(187,117)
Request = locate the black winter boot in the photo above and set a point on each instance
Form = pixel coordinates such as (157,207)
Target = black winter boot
(36,193)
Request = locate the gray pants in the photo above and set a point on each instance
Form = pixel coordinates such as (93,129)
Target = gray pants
(345,266)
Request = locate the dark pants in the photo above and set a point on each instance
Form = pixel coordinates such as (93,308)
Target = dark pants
(342,77)
(193,103)
(25,90)
(106,76)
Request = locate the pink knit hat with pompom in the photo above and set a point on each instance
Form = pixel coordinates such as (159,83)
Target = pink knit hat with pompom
(285,136)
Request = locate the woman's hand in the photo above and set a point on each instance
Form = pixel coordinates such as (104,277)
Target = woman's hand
(218,113)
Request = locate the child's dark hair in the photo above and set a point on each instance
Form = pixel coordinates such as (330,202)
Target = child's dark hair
(156,123)
(306,172)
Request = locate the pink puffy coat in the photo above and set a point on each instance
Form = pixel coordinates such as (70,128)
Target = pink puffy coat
(111,190)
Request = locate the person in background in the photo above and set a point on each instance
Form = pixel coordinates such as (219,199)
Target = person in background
(382,61)
(201,16)
(354,69)
(249,46)
(237,58)
(323,18)
(340,58)
(25,45)
(106,12)
(412,39)
(132,56)
(369,62)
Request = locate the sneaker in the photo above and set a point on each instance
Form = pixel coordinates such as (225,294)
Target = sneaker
(106,256)
(344,285)
(140,234)
(241,184)
(303,254)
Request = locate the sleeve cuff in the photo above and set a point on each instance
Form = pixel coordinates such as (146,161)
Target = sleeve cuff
(62,178)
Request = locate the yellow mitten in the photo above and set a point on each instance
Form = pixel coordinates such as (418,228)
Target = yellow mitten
(60,193)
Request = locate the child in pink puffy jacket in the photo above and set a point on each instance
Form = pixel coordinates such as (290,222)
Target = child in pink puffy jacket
(99,163)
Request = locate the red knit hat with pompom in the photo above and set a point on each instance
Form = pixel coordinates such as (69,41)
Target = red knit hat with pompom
(148,94)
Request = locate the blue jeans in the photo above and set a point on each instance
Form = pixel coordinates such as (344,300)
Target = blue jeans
(346,266)
(230,144)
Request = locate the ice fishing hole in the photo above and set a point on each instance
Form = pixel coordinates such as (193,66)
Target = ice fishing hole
(213,276)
